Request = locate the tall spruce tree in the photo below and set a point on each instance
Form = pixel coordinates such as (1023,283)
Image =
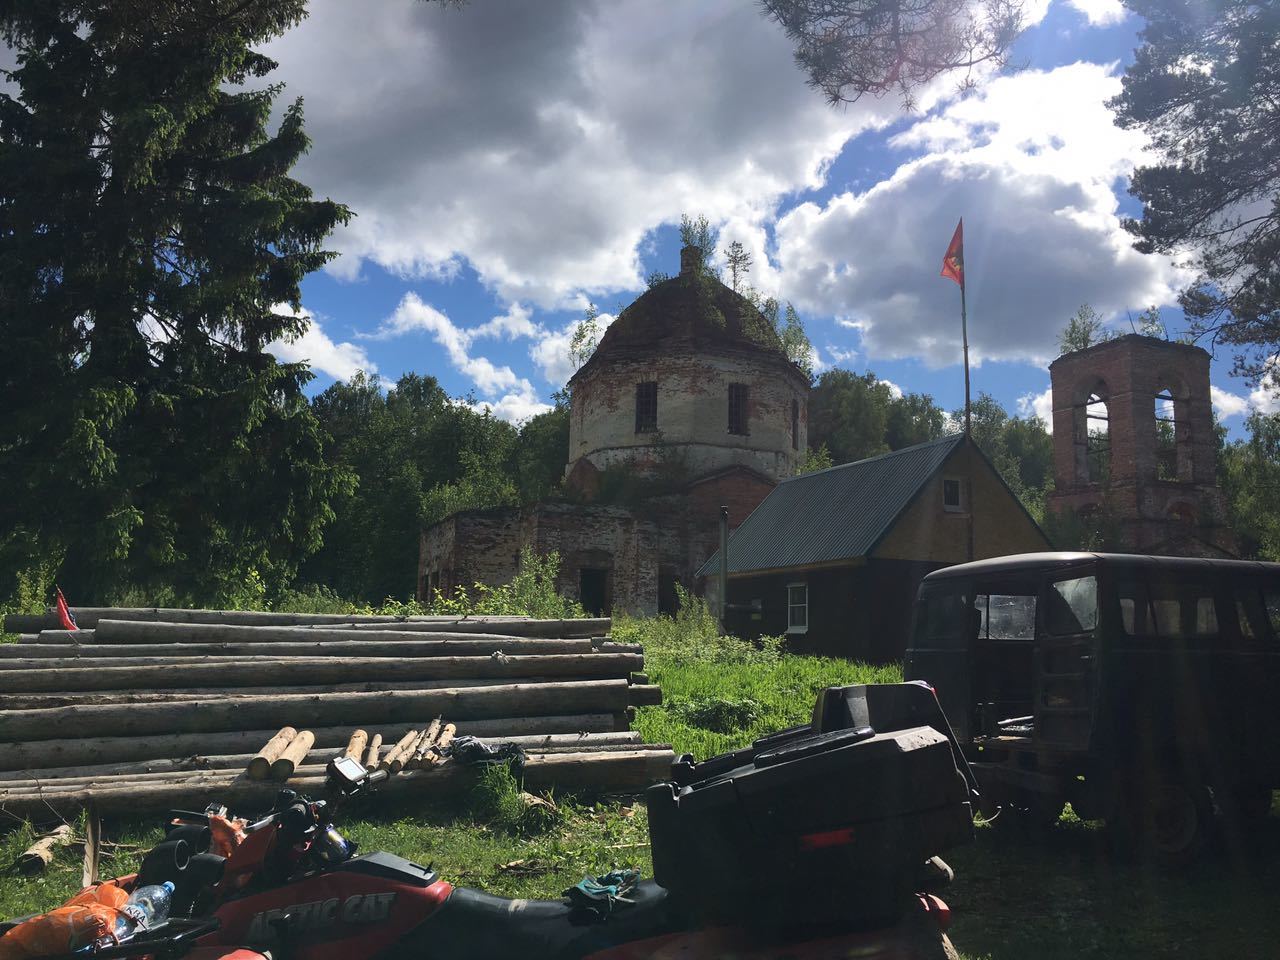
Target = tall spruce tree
(150,235)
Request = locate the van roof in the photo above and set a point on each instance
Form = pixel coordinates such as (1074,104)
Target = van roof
(1049,561)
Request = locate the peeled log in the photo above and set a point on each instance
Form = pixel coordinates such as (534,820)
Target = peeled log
(585,627)
(87,617)
(24,755)
(40,854)
(64,636)
(355,746)
(355,645)
(320,754)
(123,631)
(424,743)
(622,773)
(260,766)
(394,760)
(371,756)
(437,756)
(645,695)
(314,670)
(383,707)
(282,768)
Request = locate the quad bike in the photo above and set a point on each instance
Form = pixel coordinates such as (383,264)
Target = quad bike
(820,841)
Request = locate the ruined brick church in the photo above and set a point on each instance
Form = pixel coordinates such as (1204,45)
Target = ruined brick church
(689,402)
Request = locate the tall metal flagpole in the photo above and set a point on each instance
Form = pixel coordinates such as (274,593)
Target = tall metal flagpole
(964,335)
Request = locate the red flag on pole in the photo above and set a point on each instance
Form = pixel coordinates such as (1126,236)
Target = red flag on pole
(953,260)
(65,616)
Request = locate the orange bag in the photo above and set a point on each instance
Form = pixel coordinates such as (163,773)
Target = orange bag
(227,835)
(83,919)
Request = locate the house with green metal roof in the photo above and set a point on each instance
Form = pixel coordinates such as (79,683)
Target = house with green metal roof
(832,558)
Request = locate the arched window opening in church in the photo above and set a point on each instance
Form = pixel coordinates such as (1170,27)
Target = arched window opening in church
(738,409)
(1093,440)
(1173,449)
(646,407)
(795,424)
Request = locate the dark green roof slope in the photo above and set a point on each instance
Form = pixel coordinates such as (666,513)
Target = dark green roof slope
(835,514)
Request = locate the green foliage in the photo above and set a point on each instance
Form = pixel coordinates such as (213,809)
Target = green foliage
(585,337)
(151,246)
(697,232)
(812,460)
(1249,471)
(857,416)
(1205,87)
(1020,448)
(1096,529)
(739,263)
(498,799)
(717,714)
(1149,324)
(721,693)
(419,456)
(531,593)
(854,48)
(1083,330)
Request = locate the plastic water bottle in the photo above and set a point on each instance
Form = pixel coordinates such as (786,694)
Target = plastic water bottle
(146,907)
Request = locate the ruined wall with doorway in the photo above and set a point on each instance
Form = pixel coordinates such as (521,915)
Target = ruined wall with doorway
(1134,440)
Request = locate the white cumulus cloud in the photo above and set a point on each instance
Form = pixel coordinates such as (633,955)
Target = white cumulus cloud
(1100,13)
(342,361)
(1031,162)
(1038,405)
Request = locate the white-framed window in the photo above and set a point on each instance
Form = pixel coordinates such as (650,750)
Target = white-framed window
(953,499)
(797,608)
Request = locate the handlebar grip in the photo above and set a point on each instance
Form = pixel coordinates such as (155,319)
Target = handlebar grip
(376,776)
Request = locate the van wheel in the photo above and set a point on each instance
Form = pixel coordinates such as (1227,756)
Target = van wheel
(1169,822)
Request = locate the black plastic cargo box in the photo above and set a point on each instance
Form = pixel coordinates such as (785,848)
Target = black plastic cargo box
(829,823)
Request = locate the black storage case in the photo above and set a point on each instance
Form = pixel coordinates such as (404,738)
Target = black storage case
(826,824)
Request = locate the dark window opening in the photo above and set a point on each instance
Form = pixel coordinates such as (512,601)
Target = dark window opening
(952,495)
(646,407)
(593,590)
(795,424)
(738,408)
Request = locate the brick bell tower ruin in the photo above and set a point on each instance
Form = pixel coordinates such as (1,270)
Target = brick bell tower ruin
(1134,443)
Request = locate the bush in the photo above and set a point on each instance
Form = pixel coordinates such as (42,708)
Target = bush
(717,714)
(531,593)
(692,636)
(499,799)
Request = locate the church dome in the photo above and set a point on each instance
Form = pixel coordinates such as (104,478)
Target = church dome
(692,311)
(691,373)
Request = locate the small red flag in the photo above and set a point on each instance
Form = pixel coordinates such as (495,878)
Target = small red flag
(65,616)
(953,260)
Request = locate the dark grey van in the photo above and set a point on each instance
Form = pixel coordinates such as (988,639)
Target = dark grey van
(1140,689)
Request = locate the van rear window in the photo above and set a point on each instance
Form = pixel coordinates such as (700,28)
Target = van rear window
(1073,606)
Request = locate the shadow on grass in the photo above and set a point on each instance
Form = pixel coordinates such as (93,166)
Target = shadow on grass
(1060,894)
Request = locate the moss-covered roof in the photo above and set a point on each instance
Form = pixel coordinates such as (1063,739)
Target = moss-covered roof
(688,312)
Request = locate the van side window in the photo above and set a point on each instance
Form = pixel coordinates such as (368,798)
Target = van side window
(1183,610)
(1249,612)
(1073,606)
(1006,617)
(1271,599)
(1135,612)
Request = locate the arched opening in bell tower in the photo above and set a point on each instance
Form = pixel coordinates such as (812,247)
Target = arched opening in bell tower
(1091,422)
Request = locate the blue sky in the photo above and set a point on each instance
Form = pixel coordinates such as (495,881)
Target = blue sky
(510,162)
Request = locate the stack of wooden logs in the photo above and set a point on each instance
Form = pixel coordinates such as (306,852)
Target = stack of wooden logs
(150,709)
